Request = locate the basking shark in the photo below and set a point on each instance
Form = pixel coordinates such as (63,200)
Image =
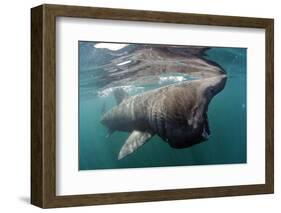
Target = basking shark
(177,113)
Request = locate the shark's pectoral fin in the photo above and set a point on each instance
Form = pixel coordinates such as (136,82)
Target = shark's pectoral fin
(135,140)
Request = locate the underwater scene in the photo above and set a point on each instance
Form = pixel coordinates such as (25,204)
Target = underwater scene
(152,105)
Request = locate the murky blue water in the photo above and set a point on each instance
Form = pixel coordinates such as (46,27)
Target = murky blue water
(227,118)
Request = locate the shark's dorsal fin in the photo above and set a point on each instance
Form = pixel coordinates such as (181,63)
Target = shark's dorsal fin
(120,94)
(134,141)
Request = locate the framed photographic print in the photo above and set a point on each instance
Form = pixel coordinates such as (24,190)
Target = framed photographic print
(136,106)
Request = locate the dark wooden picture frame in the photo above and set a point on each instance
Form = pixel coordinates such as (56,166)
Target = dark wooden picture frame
(43,105)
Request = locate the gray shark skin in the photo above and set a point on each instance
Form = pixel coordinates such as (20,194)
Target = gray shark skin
(177,113)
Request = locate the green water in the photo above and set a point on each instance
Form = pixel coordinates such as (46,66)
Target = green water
(227,120)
